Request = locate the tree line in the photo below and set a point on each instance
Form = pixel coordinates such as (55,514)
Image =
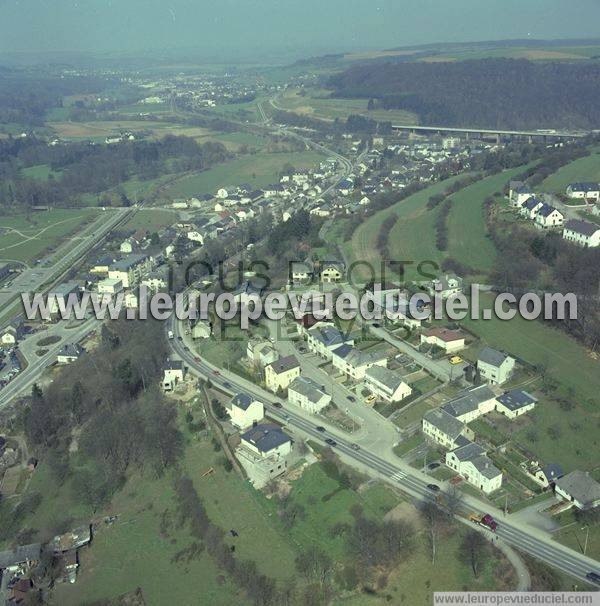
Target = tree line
(484,93)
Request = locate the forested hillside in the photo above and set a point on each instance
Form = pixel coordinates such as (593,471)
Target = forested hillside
(487,93)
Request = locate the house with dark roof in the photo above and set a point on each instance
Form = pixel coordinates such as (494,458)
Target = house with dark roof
(279,374)
(582,233)
(68,353)
(20,559)
(579,488)
(589,191)
(441,427)
(245,410)
(353,362)
(308,394)
(548,474)
(386,384)
(515,403)
(173,374)
(323,338)
(264,452)
(548,217)
(472,463)
(530,207)
(494,366)
(471,404)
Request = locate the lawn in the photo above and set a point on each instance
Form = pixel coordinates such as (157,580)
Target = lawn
(258,170)
(318,104)
(151,219)
(40,172)
(537,343)
(468,242)
(406,241)
(583,169)
(26,237)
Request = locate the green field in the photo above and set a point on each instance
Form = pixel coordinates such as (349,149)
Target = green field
(151,219)
(256,169)
(318,104)
(412,238)
(539,344)
(40,172)
(26,237)
(581,170)
(467,232)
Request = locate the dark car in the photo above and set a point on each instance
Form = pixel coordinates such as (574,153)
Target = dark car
(277,405)
(433,465)
(331,442)
(355,446)
(180,338)
(226,384)
(351,398)
(376,325)
(320,428)
(594,577)
(433,487)
(186,348)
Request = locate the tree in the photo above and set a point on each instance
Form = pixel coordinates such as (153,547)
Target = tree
(474,550)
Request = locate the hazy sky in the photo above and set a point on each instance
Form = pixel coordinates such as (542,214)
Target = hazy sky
(229,26)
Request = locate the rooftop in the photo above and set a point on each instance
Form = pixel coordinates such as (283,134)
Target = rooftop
(265,436)
(581,486)
(469,401)
(284,364)
(308,388)
(445,422)
(492,356)
(584,228)
(516,398)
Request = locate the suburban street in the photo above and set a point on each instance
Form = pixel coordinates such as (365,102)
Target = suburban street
(383,464)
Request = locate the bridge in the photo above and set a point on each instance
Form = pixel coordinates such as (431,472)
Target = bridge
(486,132)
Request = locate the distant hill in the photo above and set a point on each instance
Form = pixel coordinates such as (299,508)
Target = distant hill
(484,93)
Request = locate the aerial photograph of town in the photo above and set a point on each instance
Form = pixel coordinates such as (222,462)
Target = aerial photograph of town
(299,302)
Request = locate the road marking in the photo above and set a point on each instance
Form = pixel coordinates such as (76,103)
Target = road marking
(398,476)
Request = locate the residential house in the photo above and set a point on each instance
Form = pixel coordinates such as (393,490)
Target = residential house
(386,384)
(548,217)
(263,453)
(20,559)
(68,353)
(548,474)
(494,366)
(323,338)
(308,394)
(471,404)
(12,334)
(301,272)
(530,207)
(130,269)
(110,286)
(58,297)
(521,195)
(173,374)
(261,351)
(583,233)
(589,191)
(579,488)
(279,374)
(472,463)
(515,403)
(444,338)
(445,286)
(445,429)
(201,330)
(354,362)
(245,410)
(332,271)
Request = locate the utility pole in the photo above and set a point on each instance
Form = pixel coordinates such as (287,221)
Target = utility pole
(587,536)
(505,504)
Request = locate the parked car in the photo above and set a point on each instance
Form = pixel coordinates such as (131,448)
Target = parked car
(433,487)
(456,360)
(433,465)
(351,398)
(370,399)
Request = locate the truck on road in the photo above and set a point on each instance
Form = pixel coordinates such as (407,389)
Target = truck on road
(484,520)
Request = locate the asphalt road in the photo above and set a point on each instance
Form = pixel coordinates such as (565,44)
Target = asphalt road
(514,532)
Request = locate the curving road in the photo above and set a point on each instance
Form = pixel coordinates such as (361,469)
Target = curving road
(514,532)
